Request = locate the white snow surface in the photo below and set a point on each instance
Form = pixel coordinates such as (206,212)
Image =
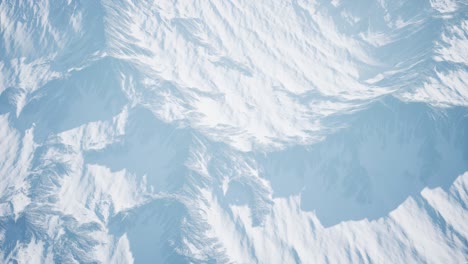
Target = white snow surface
(234,131)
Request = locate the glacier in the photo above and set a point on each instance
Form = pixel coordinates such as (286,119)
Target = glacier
(290,131)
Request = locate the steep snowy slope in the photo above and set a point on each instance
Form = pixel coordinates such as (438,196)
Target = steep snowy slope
(234,131)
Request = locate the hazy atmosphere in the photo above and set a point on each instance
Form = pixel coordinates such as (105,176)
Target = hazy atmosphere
(234,131)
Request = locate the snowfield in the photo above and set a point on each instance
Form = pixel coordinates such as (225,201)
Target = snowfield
(234,131)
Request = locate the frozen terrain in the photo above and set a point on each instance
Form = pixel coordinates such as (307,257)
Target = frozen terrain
(234,131)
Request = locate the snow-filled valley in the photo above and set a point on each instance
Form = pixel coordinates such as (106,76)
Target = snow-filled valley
(234,131)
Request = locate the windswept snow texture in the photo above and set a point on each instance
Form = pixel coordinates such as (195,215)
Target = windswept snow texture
(234,131)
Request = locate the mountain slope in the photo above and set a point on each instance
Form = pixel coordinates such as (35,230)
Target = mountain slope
(233,132)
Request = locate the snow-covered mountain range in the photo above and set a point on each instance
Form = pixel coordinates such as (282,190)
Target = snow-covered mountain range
(237,131)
